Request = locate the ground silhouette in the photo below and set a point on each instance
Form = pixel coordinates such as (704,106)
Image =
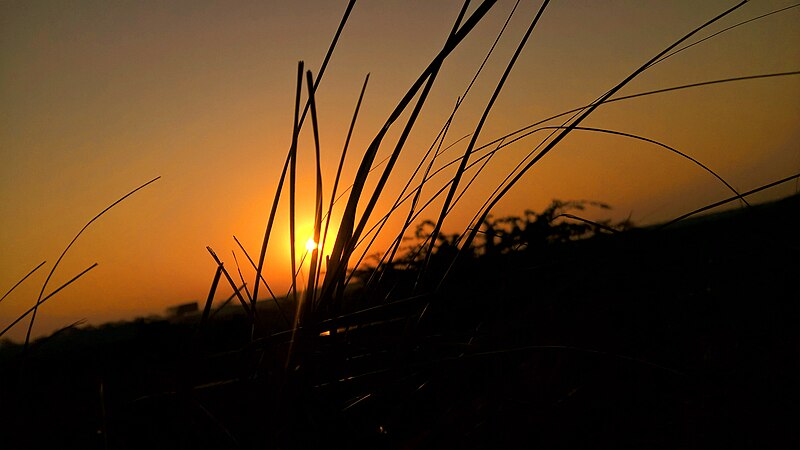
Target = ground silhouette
(554,332)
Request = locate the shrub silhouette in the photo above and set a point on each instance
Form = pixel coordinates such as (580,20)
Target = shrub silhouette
(530,236)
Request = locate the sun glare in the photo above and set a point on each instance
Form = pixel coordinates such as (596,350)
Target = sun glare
(311,245)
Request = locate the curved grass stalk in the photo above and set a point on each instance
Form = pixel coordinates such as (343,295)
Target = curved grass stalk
(299,272)
(293,184)
(669,55)
(660,144)
(583,116)
(241,279)
(273,210)
(33,308)
(464,159)
(58,261)
(375,230)
(250,312)
(726,29)
(22,280)
(334,199)
(730,199)
(584,220)
(527,131)
(210,298)
(632,96)
(414,214)
(260,277)
(344,240)
(485,158)
(384,178)
(312,269)
(226,302)
(486,161)
(440,138)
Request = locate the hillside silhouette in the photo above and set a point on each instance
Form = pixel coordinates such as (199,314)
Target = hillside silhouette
(554,332)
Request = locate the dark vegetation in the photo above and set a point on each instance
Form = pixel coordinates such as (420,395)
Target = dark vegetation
(681,337)
(546,329)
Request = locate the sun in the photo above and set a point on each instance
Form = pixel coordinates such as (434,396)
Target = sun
(311,245)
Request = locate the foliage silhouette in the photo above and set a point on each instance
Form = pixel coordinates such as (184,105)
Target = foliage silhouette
(544,317)
(530,236)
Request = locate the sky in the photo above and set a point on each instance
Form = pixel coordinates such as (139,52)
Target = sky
(99,97)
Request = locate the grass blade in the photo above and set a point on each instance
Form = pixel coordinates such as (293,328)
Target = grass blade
(241,278)
(273,210)
(440,138)
(678,50)
(49,275)
(21,280)
(260,277)
(221,266)
(293,184)
(584,115)
(278,190)
(225,303)
(660,144)
(339,168)
(590,222)
(344,241)
(40,302)
(338,257)
(210,298)
(730,199)
(329,53)
(312,268)
(527,128)
(465,159)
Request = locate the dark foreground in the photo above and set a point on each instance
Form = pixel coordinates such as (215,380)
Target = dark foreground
(687,337)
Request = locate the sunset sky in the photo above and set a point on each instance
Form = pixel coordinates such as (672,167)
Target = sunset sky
(99,97)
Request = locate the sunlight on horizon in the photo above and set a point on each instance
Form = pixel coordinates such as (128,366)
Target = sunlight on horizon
(311,245)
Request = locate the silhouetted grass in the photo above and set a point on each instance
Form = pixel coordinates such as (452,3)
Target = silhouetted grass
(42,298)
(22,280)
(32,310)
(456,340)
(322,309)
(323,300)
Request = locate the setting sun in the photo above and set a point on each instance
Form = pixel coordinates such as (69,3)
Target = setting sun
(311,245)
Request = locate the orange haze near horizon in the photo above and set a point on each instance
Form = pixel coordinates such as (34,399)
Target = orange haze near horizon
(99,97)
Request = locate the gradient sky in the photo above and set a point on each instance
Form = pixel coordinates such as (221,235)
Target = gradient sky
(99,97)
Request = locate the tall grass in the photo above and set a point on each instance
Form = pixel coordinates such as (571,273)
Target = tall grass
(330,275)
(320,302)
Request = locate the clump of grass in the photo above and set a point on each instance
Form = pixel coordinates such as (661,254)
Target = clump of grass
(330,275)
(328,280)
(319,303)
(343,292)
